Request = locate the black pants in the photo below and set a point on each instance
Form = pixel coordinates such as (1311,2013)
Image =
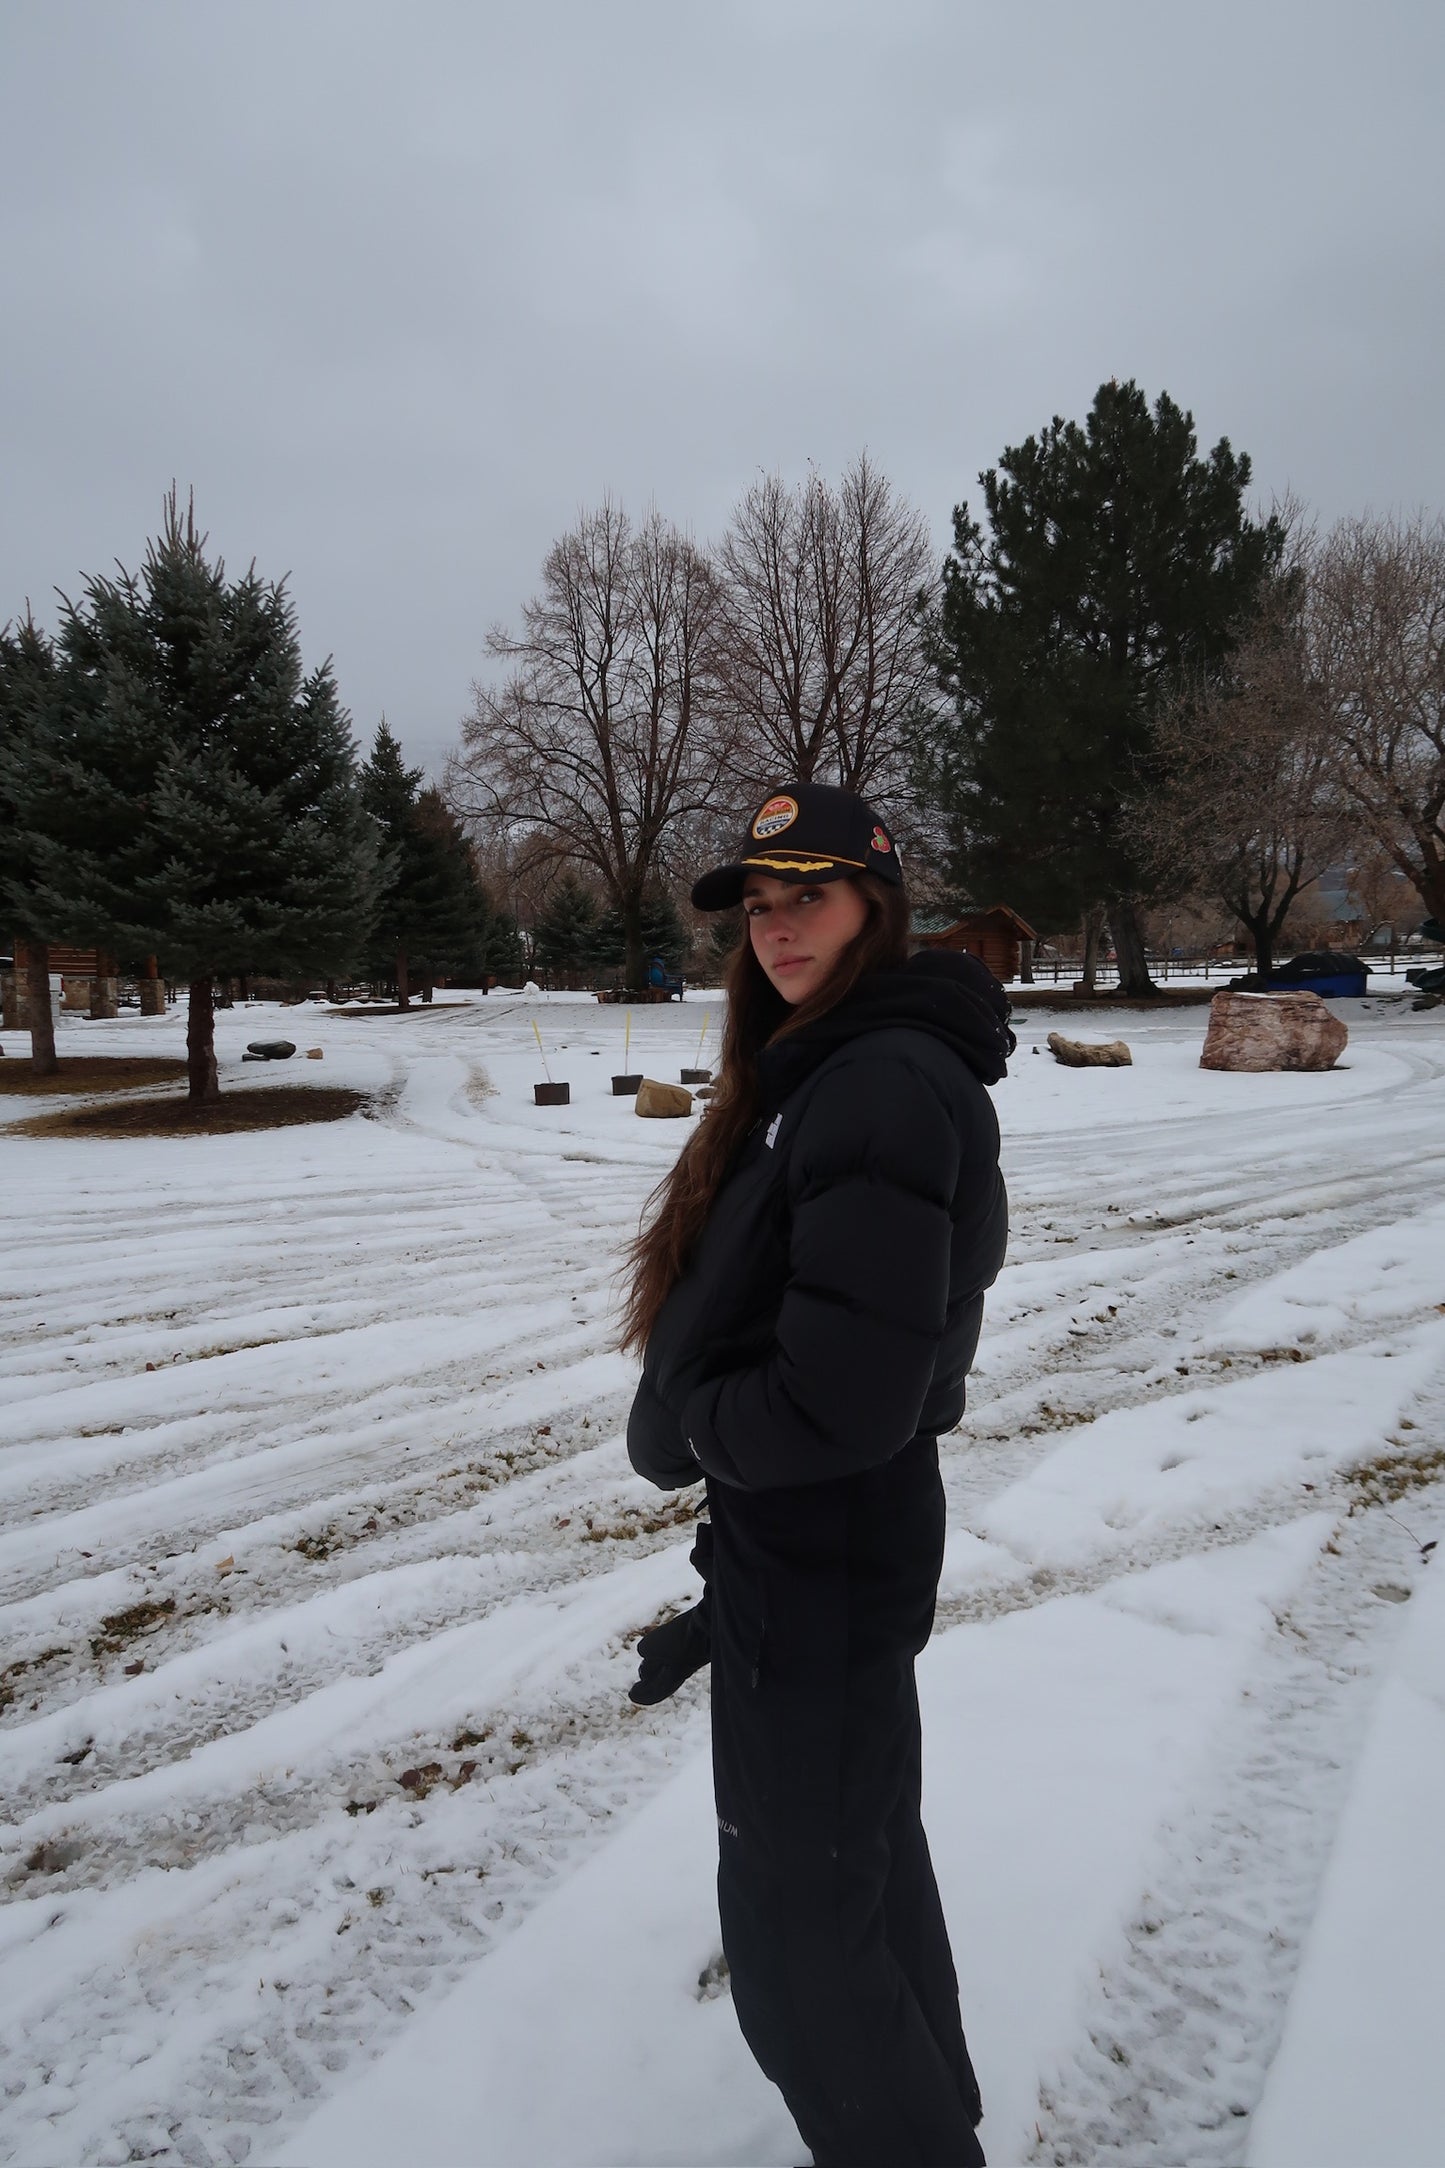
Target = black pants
(836,1945)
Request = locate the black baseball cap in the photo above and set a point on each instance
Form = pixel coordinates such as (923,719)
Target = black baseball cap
(806,833)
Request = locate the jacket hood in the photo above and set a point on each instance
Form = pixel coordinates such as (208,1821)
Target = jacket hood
(951,996)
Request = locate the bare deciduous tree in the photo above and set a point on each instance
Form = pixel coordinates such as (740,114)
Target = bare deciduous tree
(1386,902)
(605,735)
(1377,624)
(821,645)
(1248,808)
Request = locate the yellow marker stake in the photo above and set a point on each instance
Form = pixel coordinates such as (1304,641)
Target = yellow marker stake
(706,1020)
(541,1050)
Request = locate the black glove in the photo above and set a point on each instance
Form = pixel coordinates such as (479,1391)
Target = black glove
(670,1653)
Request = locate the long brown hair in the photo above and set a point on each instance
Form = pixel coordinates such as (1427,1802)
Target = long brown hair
(756,1015)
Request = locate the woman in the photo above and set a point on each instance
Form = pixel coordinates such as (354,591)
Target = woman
(808,1293)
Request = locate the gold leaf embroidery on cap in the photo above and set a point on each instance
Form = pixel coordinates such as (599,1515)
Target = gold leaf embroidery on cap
(801,865)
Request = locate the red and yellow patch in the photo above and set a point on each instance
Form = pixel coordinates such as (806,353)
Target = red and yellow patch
(778,814)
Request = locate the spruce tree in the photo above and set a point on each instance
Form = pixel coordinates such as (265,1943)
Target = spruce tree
(27,673)
(453,912)
(196,790)
(568,931)
(1116,562)
(434,918)
(663,933)
(389,793)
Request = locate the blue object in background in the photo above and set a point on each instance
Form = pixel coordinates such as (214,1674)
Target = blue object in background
(1341,985)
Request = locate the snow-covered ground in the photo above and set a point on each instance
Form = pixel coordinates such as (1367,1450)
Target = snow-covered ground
(331,1835)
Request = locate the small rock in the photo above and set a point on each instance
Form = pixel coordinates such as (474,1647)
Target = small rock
(314,1053)
(661,1100)
(1090,1054)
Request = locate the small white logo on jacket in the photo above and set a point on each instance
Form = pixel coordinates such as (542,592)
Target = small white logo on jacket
(773,1127)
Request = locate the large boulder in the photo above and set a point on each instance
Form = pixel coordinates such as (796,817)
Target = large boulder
(269,1050)
(662,1099)
(1090,1053)
(1272,1031)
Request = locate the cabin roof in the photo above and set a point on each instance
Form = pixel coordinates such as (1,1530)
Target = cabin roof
(935,928)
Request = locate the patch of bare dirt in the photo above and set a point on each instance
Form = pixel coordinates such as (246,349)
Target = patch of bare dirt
(276,1106)
(91,1073)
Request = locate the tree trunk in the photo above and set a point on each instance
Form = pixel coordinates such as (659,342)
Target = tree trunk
(403,983)
(635,955)
(1026,963)
(152,990)
(243,986)
(41,1017)
(1129,947)
(1262,935)
(1092,928)
(332,994)
(205,1085)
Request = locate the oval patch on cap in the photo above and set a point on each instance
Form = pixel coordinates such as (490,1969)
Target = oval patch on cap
(776,815)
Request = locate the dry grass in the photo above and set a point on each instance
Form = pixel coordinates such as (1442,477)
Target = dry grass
(276,1106)
(416,1007)
(1389,1477)
(91,1073)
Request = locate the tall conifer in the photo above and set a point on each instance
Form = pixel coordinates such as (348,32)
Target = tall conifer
(195,793)
(1116,560)
(27,674)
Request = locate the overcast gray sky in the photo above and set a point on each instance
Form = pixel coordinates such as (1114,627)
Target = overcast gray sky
(399,288)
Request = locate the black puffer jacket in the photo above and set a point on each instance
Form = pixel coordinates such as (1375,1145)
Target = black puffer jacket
(832,1308)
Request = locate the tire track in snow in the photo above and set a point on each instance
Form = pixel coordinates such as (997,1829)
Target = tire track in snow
(239,2064)
(1176,2043)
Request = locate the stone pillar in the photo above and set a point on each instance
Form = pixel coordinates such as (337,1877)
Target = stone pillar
(152,990)
(104,990)
(77,991)
(10,1002)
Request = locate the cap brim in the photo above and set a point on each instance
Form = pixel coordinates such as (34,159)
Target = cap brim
(722,889)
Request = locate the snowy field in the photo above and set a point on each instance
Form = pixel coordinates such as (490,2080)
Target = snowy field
(331,1837)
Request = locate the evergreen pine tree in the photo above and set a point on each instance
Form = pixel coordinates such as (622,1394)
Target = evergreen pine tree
(1116,561)
(389,793)
(505,955)
(195,791)
(452,909)
(27,671)
(568,931)
(434,918)
(663,934)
